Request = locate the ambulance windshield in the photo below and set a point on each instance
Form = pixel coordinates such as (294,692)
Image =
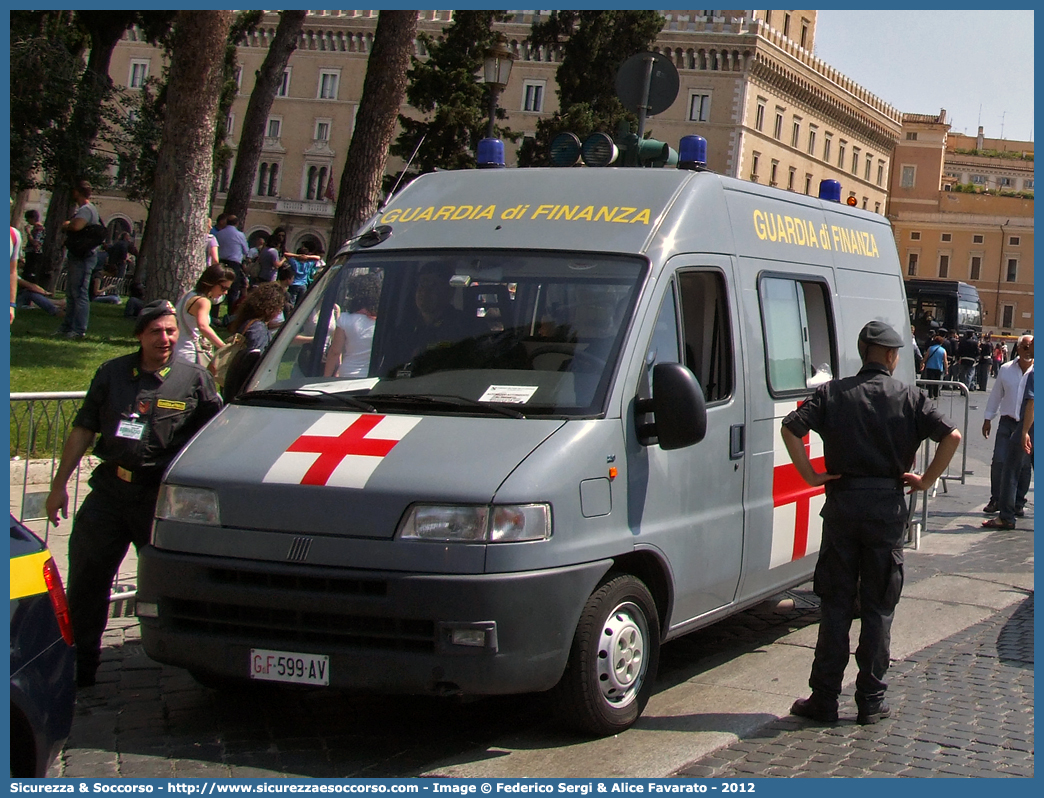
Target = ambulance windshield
(512,333)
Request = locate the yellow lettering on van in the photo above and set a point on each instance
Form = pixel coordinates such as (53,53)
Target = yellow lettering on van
(462,212)
(485,214)
(791,232)
(587,213)
(835,233)
(426,214)
(542,210)
(622,215)
(824,236)
(781,229)
(409,214)
(810,233)
(392,215)
(565,212)
(873,247)
(642,216)
(445,212)
(605,214)
(759,225)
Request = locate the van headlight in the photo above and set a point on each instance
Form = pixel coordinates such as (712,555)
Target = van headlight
(189,505)
(477,524)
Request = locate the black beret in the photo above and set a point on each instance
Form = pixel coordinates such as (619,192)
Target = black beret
(880,334)
(153,310)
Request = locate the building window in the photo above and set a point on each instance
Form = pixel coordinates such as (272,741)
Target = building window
(317,183)
(1008,316)
(268,180)
(915,235)
(777,130)
(869,163)
(1028,185)
(911,137)
(877,207)
(699,107)
(759,116)
(754,167)
(811,139)
(911,265)
(262,179)
(975,267)
(865,201)
(795,134)
(804,35)
(139,73)
(1005,181)
(284,85)
(1013,270)
(230,125)
(855,160)
(977,239)
(274,126)
(808,184)
(533,96)
(322,130)
(908,175)
(944,265)
(841,145)
(328,80)
(946,237)
(827,140)
(773,172)
(978,180)
(786,24)
(1013,241)
(790,178)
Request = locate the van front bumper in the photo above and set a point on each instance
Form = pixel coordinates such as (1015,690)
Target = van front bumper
(480,634)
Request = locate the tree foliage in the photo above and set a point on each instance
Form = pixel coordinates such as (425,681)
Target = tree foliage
(594,45)
(446,88)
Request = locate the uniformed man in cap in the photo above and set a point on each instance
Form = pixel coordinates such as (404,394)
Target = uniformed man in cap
(144,406)
(871,425)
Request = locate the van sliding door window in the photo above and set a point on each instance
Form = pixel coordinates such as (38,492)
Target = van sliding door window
(707,332)
(798,341)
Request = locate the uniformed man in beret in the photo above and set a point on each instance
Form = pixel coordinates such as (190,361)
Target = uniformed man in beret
(871,425)
(144,406)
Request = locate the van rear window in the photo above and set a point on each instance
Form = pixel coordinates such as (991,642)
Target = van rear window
(796,320)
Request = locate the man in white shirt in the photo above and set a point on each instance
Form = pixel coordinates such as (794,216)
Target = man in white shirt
(1004,400)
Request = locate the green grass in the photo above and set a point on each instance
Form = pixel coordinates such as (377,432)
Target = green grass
(40,362)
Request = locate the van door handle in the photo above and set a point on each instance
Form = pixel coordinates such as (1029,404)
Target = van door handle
(736,442)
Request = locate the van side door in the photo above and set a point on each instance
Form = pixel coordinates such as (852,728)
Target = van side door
(691,500)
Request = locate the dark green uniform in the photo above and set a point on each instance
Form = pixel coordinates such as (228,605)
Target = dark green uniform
(143,419)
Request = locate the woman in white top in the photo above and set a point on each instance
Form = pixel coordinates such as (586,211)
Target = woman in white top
(193,312)
(349,352)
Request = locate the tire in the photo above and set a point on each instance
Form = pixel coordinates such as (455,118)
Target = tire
(601,694)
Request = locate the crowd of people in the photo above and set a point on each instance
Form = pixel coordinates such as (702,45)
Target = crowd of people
(971,360)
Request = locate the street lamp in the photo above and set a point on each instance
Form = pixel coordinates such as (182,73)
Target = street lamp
(497,71)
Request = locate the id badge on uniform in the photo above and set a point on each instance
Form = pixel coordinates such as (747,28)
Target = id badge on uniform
(132,430)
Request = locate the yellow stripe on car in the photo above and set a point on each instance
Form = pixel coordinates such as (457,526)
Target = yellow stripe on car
(27,577)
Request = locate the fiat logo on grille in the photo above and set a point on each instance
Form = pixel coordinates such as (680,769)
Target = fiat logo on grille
(299,550)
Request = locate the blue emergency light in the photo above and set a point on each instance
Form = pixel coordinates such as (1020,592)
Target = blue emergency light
(830,190)
(490,154)
(692,153)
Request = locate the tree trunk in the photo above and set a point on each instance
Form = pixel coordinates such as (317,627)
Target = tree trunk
(106,30)
(172,250)
(252,135)
(383,93)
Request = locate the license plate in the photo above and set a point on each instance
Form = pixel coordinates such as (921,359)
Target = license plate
(287,666)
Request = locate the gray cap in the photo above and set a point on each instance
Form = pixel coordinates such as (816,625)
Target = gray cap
(153,310)
(880,334)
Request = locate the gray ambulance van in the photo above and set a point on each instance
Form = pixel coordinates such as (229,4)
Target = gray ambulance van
(518,435)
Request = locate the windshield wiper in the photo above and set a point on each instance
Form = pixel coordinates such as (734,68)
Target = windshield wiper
(445,400)
(306,396)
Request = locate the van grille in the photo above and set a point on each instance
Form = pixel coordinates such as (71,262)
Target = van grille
(299,582)
(281,626)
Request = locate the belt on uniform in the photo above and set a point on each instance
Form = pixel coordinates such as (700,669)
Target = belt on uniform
(866,483)
(1012,419)
(137,477)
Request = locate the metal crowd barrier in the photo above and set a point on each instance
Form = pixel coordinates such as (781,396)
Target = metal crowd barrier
(954,400)
(40,423)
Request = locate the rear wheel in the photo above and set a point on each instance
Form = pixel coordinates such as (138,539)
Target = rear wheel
(613,659)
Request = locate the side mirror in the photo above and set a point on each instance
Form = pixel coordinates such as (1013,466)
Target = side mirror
(678,407)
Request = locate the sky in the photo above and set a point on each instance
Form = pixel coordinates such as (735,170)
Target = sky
(922,61)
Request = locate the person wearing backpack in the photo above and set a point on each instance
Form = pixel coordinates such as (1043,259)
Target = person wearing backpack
(81,258)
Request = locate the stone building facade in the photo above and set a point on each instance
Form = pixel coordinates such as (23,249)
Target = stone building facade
(983,238)
(749,83)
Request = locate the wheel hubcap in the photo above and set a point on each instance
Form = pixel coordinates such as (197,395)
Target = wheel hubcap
(621,655)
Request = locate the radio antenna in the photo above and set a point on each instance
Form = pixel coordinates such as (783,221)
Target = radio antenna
(402,174)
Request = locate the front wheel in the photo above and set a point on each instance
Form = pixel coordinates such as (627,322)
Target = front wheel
(613,659)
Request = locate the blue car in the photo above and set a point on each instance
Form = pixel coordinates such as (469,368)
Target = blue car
(43,659)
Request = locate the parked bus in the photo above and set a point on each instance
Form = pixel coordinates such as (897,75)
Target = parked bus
(942,304)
